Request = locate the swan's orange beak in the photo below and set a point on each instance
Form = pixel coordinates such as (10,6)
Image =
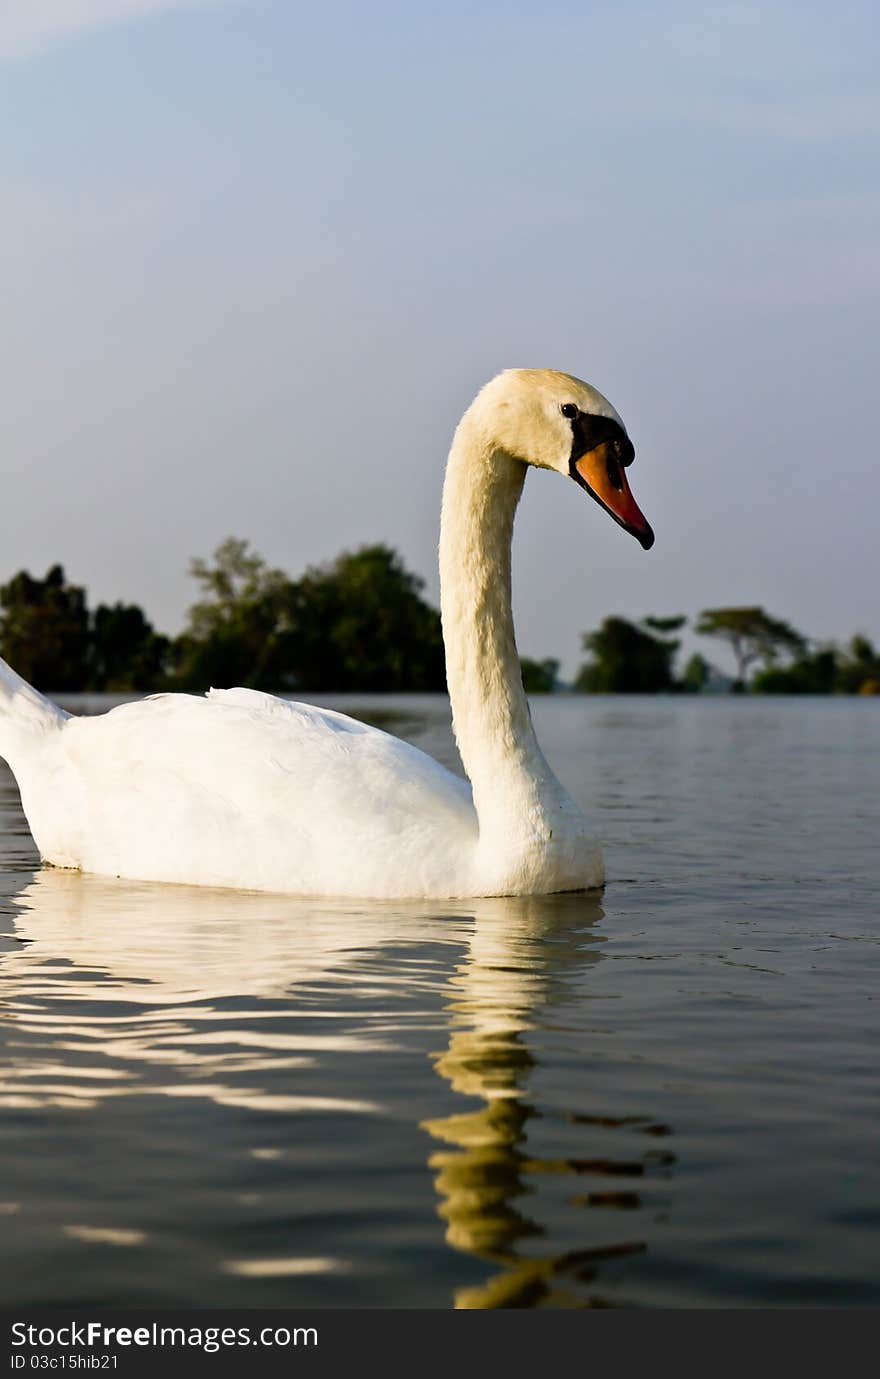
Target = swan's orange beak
(600,472)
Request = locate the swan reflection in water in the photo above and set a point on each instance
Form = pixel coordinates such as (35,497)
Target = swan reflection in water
(196,965)
(523,954)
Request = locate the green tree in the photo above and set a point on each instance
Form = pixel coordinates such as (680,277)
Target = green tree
(44,630)
(539,677)
(862,651)
(695,676)
(812,673)
(358,623)
(233,630)
(752,635)
(361,623)
(126,651)
(625,659)
(858,668)
(235,581)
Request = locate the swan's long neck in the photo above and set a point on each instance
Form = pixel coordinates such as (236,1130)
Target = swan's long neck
(516,795)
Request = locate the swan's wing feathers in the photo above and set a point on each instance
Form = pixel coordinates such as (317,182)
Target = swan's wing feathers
(270,707)
(269,793)
(240,739)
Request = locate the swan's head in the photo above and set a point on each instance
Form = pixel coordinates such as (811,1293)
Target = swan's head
(554,421)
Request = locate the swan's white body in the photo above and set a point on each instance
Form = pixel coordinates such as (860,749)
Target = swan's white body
(246,790)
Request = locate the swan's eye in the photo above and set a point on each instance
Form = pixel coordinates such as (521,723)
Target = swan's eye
(569,410)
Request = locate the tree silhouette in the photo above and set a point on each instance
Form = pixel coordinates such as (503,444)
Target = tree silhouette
(361,623)
(858,668)
(232,629)
(44,630)
(751,634)
(695,676)
(358,623)
(126,651)
(625,659)
(812,673)
(539,677)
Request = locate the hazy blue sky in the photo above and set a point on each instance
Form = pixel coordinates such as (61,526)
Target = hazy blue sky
(258,256)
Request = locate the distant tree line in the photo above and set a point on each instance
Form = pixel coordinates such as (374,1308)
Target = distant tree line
(640,658)
(358,623)
(49,635)
(362,623)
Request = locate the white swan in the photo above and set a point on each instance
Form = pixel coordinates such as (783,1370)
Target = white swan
(245,790)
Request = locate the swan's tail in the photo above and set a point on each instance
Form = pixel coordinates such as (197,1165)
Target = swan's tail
(25,715)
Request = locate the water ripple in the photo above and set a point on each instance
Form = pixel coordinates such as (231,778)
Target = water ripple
(665,1095)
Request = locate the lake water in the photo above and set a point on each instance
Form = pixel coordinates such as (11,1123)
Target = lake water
(663,1095)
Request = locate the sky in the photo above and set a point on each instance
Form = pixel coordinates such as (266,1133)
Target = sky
(258,256)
